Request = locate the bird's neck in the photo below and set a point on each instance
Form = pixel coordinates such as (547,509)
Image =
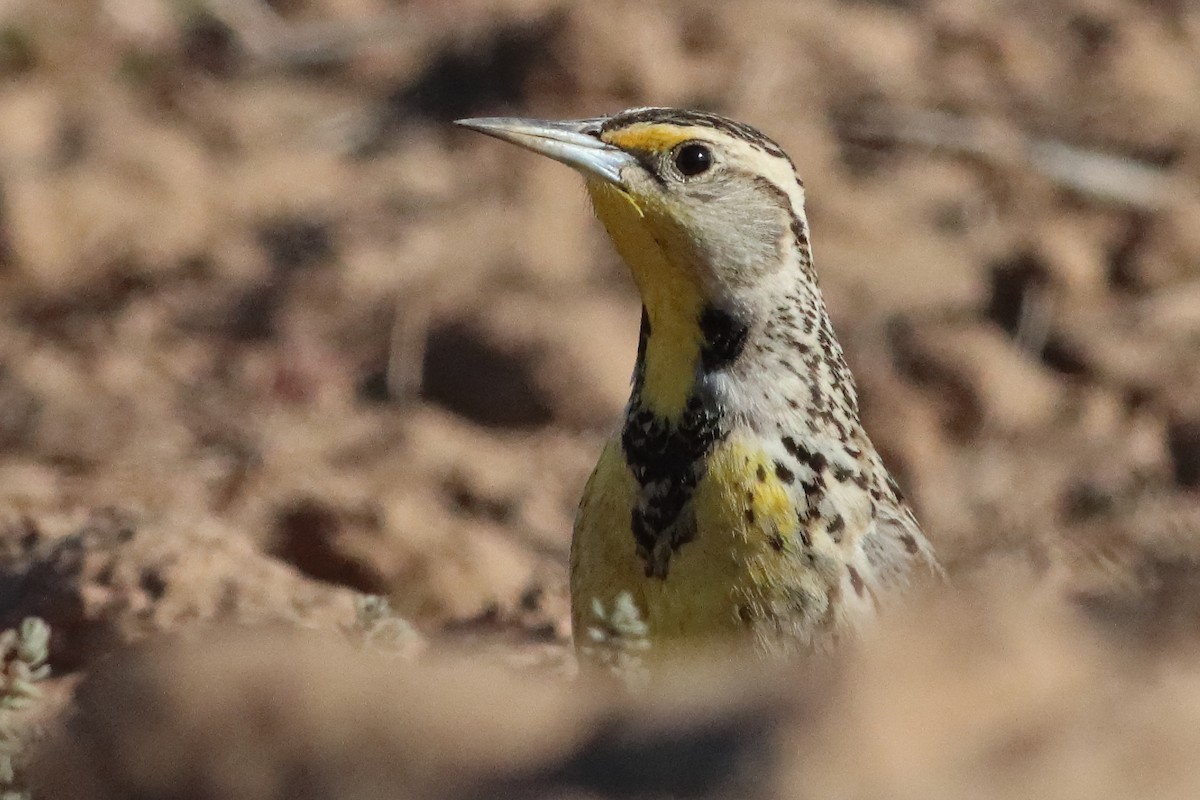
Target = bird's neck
(778,358)
(666,371)
(672,305)
(693,346)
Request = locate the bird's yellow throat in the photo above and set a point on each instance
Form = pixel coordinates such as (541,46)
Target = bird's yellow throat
(670,296)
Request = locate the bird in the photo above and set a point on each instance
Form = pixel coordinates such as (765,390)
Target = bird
(740,502)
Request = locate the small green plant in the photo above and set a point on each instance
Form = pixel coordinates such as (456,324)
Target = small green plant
(618,641)
(377,626)
(23,651)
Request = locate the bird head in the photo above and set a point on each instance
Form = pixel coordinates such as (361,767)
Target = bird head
(704,210)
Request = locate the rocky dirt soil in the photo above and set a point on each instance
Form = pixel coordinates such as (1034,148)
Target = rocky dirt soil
(274,336)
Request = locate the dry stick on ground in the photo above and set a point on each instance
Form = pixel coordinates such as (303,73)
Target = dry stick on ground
(1035,320)
(1105,177)
(1101,176)
(274,43)
(406,351)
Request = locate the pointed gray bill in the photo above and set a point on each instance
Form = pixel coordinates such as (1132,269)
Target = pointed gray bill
(567,142)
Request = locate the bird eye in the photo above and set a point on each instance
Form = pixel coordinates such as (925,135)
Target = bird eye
(692,159)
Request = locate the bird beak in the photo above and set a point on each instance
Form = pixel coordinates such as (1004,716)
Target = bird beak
(568,142)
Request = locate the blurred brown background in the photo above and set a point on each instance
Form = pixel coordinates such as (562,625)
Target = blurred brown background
(274,333)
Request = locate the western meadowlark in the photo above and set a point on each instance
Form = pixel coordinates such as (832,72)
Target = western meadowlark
(741,497)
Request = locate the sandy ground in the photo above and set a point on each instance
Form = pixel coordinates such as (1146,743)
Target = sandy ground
(274,334)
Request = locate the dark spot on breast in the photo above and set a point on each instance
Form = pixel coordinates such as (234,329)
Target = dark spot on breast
(856,581)
(776,542)
(749,516)
(783,473)
(836,526)
(790,445)
(797,345)
(910,543)
(761,473)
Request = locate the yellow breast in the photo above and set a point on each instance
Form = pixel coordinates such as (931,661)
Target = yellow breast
(746,573)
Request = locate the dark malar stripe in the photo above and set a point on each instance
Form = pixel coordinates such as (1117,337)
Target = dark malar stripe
(639,366)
